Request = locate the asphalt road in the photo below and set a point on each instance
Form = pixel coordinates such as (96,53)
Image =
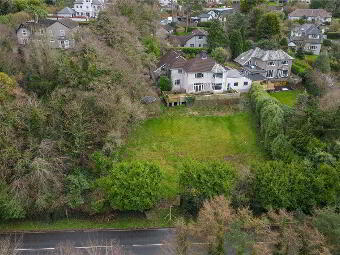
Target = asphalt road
(139,242)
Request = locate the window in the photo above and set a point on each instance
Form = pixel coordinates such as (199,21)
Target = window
(62,32)
(52,41)
(24,32)
(217,86)
(180,70)
(200,37)
(314,36)
(41,31)
(245,83)
(270,74)
(312,47)
(198,87)
(177,82)
(192,45)
(67,44)
(271,63)
(50,32)
(218,75)
(285,73)
(199,75)
(200,45)
(284,62)
(235,84)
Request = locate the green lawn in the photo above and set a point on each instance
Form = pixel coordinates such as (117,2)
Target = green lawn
(287,97)
(173,138)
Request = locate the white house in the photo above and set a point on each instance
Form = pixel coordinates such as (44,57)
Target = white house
(197,39)
(200,74)
(88,8)
(312,15)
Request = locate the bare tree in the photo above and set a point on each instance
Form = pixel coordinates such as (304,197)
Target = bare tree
(10,245)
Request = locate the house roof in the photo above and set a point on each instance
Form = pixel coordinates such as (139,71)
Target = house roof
(310,13)
(233,73)
(264,55)
(201,63)
(168,28)
(183,39)
(78,2)
(256,77)
(307,28)
(66,10)
(204,15)
(172,59)
(68,23)
(96,2)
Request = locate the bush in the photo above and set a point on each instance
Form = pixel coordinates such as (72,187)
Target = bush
(333,35)
(204,24)
(199,181)
(327,43)
(192,52)
(133,186)
(164,83)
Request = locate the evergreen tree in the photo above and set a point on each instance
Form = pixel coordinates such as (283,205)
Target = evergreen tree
(236,43)
(216,37)
(269,26)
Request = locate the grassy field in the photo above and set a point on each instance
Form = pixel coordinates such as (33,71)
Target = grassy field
(287,97)
(176,137)
(204,133)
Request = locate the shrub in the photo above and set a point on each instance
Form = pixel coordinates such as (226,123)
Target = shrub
(164,83)
(327,43)
(333,35)
(203,180)
(132,186)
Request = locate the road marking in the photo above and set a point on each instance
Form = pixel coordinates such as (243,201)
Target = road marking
(145,245)
(41,249)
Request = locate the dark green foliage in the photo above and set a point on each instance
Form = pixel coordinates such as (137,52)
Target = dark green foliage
(295,185)
(284,42)
(191,52)
(266,44)
(322,63)
(76,184)
(205,24)
(300,53)
(327,221)
(269,26)
(333,35)
(327,43)
(10,207)
(152,46)
(203,180)
(164,83)
(217,36)
(133,186)
(236,43)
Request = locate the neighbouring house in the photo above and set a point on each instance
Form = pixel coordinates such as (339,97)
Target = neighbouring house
(260,65)
(66,13)
(167,2)
(205,17)
(56,33)
(196,39)
(308,37)
(222,13)
(200,74)
(88,8)
(312,15)
(163,31)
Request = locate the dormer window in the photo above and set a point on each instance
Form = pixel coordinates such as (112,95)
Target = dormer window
(218,75)
(24,32)
(271,63)
(284,62)
(62,32)
(200,37)
(199,75)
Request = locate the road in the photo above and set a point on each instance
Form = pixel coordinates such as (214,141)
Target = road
(139,242)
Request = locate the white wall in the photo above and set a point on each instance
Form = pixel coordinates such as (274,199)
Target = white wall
(198,43)
(241,87)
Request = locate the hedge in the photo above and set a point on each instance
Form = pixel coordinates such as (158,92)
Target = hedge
(333,35)
(191,51)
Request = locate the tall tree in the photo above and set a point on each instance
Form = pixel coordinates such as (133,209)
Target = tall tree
(236,43)
(269,26)
(217,36)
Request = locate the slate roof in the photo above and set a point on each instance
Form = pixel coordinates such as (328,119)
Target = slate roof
(67,10)
(96,2)
(233,73)
(174,60)
(183,39)
(199,64)
(306,30)
(204,15)
(78,2)
(264,55)
(310,13)
(68,23)
(256,77)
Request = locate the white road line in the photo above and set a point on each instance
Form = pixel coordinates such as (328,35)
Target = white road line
(41,249)
(146,245)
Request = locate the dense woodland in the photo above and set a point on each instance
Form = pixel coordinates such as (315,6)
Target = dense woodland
(65,114)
